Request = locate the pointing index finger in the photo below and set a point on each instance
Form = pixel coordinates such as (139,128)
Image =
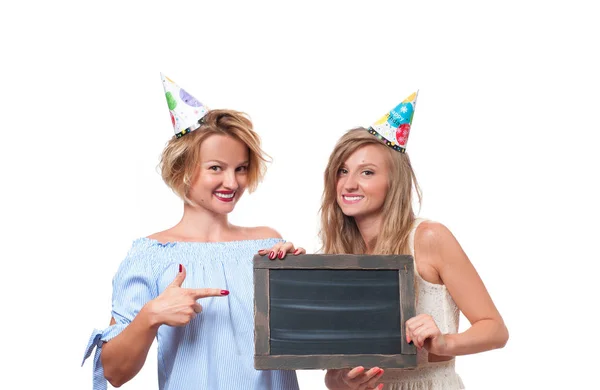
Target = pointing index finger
(208,292)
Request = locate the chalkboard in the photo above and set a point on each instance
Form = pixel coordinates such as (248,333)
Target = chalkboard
(333,311)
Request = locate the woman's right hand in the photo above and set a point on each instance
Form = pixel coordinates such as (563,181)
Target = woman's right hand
(177,306)
(281,249)
(354,379)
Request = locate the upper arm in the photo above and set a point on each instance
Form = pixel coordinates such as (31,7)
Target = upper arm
(443,252)
(134,285)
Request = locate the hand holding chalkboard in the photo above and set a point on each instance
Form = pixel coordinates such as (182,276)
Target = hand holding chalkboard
(177,306)
(424,332)
(280,250)
(354,379)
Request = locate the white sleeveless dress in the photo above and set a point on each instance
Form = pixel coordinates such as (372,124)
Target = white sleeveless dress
(435,300)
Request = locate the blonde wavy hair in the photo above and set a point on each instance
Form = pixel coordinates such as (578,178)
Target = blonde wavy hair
(181,156)
(339,233)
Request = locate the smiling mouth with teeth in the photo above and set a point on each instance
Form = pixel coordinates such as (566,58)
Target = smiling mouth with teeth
(352,199)
(227,197)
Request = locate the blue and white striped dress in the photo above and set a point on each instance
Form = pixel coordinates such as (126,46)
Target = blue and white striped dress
(216,349)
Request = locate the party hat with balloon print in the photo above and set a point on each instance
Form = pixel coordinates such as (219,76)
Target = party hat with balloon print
(393,128)
(186,111)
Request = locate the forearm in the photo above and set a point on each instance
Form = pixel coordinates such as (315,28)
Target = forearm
(124,356)
(484,335)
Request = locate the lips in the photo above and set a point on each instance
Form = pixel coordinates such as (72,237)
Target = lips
(225,196)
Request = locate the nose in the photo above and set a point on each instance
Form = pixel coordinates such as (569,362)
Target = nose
(351,183)
(230,180)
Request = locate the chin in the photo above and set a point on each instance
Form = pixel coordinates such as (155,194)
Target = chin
(216,208)
(352,214)
(224,208)
(350,211)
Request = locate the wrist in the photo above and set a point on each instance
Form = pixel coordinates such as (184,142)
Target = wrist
(150,317)
(448,345)
(332,379)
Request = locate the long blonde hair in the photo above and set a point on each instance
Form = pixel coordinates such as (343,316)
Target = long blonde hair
(339,233)
(181,156)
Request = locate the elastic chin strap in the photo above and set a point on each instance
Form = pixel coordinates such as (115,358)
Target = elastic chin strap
(397,148)
(196,126)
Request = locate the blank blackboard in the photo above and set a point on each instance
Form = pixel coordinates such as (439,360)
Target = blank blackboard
(333,311)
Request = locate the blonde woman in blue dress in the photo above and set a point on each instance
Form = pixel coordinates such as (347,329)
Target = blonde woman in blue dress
(367,208)
(190,287)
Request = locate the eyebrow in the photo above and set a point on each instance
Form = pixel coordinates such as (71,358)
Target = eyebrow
(360,166)
(224,163)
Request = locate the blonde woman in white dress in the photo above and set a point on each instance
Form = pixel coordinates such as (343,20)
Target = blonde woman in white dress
(367,209)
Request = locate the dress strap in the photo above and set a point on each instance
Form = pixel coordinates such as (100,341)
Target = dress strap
(411,236)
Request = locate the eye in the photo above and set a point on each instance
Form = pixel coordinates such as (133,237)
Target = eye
(342,171)
(243,168)
(215,168)
(368,173)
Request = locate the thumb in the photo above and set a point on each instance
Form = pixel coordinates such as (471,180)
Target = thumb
(178,281)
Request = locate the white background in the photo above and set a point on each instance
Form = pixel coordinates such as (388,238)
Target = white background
(503,143)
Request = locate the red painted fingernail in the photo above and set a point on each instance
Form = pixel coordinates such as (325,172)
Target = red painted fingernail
(180,268)
(272,255)
(380,372)
(281,254)
(296,251)
(224,292)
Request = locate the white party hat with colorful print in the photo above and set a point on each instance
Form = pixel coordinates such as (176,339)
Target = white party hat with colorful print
(186,111)
(393,128)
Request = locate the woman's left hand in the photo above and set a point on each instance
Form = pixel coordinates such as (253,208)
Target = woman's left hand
(279,250)
(357,378)
(424,333)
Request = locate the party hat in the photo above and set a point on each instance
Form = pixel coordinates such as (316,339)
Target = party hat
(186,111)
(393,128)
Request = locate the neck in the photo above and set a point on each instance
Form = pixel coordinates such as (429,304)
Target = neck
(202,224)
(369,227)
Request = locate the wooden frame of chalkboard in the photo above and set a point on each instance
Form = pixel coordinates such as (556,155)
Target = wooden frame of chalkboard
(267,273)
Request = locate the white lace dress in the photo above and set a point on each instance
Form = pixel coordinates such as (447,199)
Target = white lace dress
(435,300)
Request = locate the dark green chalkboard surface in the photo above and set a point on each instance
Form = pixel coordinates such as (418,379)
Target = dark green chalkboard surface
(333,311)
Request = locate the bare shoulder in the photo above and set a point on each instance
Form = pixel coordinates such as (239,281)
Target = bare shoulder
(428,237)
(260,232)
(433,235)
(165,236)
(436,243)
